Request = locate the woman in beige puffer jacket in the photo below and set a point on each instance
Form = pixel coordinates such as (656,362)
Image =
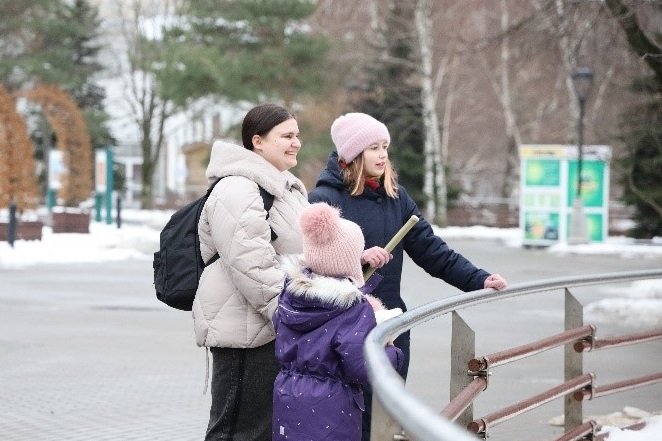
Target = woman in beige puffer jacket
(238,293)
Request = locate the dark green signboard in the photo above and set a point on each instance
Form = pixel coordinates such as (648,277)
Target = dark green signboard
(593,185)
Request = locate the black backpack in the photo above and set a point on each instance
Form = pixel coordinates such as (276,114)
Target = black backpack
(178,264)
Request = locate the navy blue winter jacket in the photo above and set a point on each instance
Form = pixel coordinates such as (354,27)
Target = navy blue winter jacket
(380,217)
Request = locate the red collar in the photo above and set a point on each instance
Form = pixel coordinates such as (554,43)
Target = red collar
(372,183)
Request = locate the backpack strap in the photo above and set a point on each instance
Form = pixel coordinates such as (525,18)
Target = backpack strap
(267,200)
(211,187)
(215,257)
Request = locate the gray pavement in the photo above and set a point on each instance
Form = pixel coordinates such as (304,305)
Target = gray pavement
(86,352)
(505,324)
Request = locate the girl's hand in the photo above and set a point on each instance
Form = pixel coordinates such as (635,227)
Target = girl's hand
(376,257)
(495,281)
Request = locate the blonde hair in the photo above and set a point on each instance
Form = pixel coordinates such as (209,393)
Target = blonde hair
(353,177)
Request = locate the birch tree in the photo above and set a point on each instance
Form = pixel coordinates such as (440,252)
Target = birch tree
(434,177)
(504,92)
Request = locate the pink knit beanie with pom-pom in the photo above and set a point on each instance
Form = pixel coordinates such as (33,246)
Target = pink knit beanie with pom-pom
(332,246)
(352,133)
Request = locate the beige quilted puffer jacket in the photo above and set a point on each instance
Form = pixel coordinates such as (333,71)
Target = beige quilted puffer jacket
(238,294)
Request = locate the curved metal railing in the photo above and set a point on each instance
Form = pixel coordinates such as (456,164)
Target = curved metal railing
(419,421)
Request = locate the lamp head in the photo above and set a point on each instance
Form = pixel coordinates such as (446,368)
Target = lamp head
(582,81)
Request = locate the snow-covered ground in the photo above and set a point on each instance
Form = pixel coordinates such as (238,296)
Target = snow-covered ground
(612,425)
(651,432)
(139,237)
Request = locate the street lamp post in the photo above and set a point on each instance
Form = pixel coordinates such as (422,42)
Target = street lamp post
(582,81)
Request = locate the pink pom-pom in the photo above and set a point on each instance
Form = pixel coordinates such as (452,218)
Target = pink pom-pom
(319,222)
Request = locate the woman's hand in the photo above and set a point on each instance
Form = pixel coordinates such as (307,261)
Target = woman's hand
(376,257)
(495,281)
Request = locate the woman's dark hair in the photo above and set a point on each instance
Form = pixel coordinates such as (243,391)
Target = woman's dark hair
(260,120)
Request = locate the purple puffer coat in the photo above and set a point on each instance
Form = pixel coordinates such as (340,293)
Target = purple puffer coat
(321,325)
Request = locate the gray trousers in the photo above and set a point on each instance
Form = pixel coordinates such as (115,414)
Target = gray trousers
(242,393)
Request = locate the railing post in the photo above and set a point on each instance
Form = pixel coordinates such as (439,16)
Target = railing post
(573,361)
(463,349)
(382,426)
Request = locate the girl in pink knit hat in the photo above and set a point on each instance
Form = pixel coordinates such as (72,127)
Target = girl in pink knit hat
(321,323)
(360,181)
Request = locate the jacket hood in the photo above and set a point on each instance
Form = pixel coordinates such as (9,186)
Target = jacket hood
(310,300)
(331,175)
(232,160)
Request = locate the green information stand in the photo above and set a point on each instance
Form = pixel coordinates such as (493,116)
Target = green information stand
(103,176)
(548,185)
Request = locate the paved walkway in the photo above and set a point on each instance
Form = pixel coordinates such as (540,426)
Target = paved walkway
(87,353)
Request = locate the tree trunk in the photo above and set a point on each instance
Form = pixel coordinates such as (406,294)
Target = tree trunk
(569,60)
(436,207)
(512,131)
(650,52)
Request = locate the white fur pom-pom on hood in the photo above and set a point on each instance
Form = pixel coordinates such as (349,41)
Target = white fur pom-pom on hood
(332,246)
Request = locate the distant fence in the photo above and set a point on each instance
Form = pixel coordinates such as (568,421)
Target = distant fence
(506,215)
(398,415)
(495,214)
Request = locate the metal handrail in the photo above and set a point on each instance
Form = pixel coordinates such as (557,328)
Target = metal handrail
(417,419)
(464,398)
(529,349)
(576,384)
(619,386)
(594,344)
(579,432)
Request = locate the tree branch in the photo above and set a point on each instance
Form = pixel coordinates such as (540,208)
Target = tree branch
(639,41)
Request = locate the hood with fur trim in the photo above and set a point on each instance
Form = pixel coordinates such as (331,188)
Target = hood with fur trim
(312,300)
(228,159)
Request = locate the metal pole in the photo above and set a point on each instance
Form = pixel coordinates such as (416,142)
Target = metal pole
(463,348)
(529,349)
(580,144)
(573,362)
(109,186)
(11,226)
(98,197)
(578,226)
(483,424)
(119,211)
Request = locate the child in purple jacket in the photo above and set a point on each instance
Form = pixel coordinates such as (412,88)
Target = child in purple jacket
(321,324)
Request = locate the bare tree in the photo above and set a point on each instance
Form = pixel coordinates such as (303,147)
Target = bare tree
(512,130)
(434,180)
(641,43)
(641,180)
(501,76)
(149,109)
